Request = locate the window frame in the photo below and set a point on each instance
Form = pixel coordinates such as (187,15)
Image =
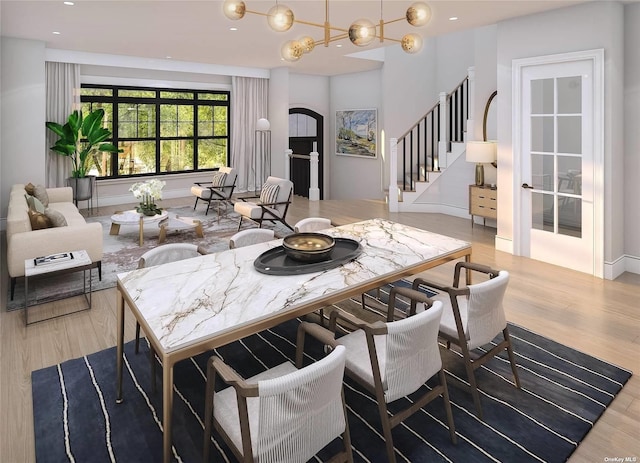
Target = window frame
(115,100)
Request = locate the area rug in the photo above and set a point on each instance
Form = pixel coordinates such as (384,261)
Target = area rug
(122,251)
(563,394)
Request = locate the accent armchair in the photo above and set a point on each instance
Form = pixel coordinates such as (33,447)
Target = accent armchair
(218,190)
(272,206)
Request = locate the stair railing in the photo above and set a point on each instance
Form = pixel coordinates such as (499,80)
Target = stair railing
(428,139)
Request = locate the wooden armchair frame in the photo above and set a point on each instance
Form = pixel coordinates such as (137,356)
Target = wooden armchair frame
(244,390)
(374,329)
(471,364)
(268,215)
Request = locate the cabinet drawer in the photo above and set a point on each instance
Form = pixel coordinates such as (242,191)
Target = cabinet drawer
(483,202)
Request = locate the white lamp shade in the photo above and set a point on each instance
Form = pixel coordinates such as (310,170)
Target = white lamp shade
(263,125)
(481,151)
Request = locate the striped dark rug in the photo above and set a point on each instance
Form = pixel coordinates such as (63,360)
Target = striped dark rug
(563,393)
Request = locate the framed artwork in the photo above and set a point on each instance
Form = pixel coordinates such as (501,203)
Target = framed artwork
(357,133)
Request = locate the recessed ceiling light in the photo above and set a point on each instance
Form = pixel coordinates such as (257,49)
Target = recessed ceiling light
(233,28)
(453,18)
(56,33)
(168,56)
(68,3)
(339,45)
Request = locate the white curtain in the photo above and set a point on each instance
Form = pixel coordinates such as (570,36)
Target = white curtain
(63,96)
(249,103)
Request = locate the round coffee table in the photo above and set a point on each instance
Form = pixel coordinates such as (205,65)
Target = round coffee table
(134,218)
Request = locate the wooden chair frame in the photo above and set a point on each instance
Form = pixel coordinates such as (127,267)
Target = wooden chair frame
(470,363)
(373,329)
(217,367)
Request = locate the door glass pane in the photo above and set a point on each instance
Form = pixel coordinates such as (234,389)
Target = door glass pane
(542,211)
(570,134)
(542,134)
(570,95)
(569,216)
(570,174)
(542,96)
(542,171)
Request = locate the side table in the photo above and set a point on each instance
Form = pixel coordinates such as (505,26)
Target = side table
(80,262)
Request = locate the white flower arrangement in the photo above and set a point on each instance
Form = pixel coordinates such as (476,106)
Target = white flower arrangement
(148,192)
(151,188)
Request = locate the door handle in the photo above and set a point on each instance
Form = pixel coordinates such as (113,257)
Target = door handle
(526,185)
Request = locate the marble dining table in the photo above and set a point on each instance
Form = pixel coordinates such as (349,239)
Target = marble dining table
(195,305)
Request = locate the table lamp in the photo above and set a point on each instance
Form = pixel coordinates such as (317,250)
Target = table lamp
(480,152)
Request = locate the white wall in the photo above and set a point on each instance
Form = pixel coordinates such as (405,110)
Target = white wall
(582,27)
(22,87)
(354,177)
(279,119)
(312,92)
(632,136)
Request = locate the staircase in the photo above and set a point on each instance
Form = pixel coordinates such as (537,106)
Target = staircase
(424,153)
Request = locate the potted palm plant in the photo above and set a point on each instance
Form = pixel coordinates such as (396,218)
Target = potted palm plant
(80,139)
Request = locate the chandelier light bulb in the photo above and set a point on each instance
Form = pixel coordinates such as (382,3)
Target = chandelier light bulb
(418,14)
(307,43)
(362,32)
(411,43)
(234,9)
(280,18)
(291,50)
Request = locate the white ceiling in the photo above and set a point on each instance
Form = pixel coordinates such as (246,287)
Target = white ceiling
(197,31)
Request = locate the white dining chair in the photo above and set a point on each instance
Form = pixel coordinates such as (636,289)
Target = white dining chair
(312,224)
(473,316)
(251,236)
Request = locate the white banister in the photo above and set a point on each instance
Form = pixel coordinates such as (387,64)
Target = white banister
(393,175)
(314,191)
(471,91)
(287,163)
(442,144)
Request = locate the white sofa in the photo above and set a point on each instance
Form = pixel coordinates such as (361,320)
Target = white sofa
(24,243)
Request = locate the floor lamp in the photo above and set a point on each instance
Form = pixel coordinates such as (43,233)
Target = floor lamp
(480,152)
(262,154)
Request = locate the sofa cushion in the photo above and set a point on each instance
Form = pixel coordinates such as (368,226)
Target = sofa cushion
(38,220)
(70,213)
(56,217)
(40,192)
(29,188)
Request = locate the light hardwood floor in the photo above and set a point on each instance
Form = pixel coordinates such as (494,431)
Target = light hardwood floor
(598,317)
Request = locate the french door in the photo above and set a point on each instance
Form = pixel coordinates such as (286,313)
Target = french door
(560,162)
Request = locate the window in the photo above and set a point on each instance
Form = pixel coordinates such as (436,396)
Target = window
(160,131)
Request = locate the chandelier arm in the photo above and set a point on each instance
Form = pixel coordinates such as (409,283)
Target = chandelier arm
(391,21)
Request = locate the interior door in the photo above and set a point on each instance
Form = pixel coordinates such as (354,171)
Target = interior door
(557,164)
(305,135)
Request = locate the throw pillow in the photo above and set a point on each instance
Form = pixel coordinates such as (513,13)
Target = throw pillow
(38,220)
(269,193)
(218,179)
(29,187)
(37,205)
(56,217)
(40,192)
(30,203)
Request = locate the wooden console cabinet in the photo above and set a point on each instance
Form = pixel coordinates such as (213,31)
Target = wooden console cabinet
(483,202)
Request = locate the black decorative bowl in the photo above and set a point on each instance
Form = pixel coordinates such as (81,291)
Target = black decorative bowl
(308,247)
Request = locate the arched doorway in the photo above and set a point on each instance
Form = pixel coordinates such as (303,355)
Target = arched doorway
(305,130)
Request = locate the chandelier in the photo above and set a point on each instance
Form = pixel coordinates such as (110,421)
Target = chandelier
(362,32)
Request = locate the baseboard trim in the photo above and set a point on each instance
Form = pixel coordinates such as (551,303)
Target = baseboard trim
(625,263)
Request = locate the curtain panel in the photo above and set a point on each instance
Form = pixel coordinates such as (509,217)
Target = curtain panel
(63,96)
(250,102)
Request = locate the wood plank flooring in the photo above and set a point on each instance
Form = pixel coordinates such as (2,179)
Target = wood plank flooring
(598,317)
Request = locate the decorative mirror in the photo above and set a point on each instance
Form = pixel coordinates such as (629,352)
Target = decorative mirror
(489,121)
